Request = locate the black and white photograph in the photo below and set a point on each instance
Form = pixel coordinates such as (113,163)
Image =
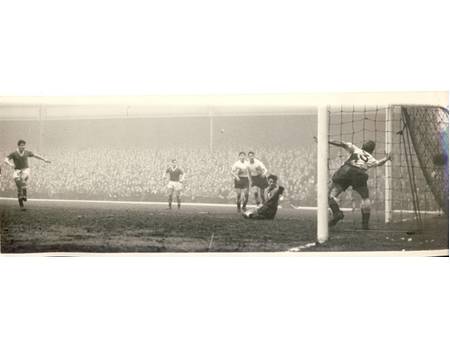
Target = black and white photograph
(388,177)
(153,178)
(223,175)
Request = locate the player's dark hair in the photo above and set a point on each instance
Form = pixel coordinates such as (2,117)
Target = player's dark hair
(240,153)
(273,177)
(369,146)
(251,152)
(21,142)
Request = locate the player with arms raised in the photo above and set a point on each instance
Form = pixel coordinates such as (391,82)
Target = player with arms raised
(176,177)
(19,161)
(354,173)
(258,179)
(241,176)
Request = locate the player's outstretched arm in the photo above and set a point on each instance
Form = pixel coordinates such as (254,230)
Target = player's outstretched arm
(346,145)
(385,159)
(8,161)
(41,158)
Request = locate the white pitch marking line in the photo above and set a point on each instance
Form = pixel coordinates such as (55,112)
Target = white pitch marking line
(121,202)
(192,204)
(299,248)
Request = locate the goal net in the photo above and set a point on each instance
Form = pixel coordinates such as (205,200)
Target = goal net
(413,187)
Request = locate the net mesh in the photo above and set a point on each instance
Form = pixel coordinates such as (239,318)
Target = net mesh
(417,137)
(428,130)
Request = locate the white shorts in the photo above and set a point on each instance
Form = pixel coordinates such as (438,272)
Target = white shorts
(21,173)
(175,185)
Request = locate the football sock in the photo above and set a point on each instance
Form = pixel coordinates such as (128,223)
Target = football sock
(19,186)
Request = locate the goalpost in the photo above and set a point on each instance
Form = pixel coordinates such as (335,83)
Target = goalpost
(411,188)
(322,174)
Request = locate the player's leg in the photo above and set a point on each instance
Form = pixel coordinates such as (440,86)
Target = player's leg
(365,206)
(333,202)
(244,203)
(249,214)
(256,195)
(18,181)
(360,185)
(238,199)
(261,195)
(259,214)
(178,195)
(238,190)
(25,176)
(263,184)
(170,199)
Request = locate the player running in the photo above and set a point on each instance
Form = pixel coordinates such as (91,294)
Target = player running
(258,180)
(272,195)
(241,176)
(19,160)
(354,173)
(176,177)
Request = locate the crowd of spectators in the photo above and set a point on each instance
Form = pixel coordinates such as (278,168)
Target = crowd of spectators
(138,173)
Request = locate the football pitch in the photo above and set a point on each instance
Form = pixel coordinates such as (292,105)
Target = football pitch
(121,227)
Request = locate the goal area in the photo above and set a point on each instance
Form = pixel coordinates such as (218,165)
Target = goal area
(411,189)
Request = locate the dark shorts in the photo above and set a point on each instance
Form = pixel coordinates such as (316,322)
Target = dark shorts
(260,181)
(242,183)
(348,175)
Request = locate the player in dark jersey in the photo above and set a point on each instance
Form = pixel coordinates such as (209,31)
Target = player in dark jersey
(176,177)
(354,173)
(241,176)
(19,160)
(272,195)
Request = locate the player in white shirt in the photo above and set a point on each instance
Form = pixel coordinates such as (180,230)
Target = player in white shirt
(258,179)
(354,173)
(241,177)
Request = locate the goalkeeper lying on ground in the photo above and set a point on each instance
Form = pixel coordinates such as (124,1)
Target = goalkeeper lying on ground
(271,195)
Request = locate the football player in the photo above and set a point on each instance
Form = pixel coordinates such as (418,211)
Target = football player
(19,161)
(354,173)
(241,177)
(258,180)
(176,177)
(272,195)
